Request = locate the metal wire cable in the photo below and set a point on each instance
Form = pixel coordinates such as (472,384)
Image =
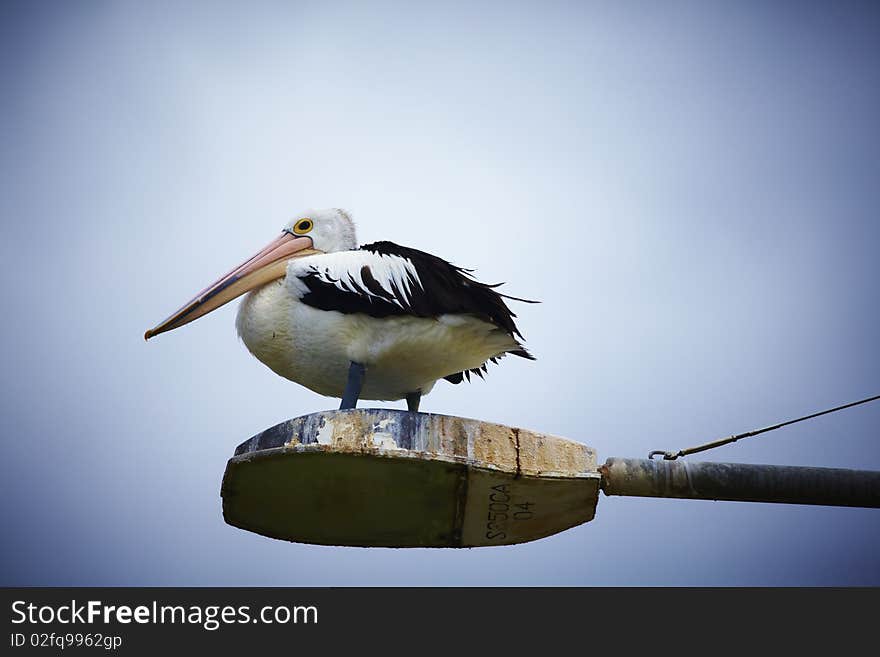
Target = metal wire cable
(671,456)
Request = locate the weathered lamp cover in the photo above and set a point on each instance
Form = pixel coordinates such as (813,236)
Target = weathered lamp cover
(376,477)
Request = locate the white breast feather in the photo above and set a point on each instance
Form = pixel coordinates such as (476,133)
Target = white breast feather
(343,270)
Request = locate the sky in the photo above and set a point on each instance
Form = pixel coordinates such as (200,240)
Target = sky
(690,188)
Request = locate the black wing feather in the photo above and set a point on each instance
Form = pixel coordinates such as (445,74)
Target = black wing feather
(444,289)
(448,289)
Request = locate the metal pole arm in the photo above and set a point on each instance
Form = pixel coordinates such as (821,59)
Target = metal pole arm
(741,482)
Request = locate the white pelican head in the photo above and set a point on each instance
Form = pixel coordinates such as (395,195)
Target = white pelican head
(310,233)
(330,230)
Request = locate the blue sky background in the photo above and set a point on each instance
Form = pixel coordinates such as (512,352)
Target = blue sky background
(690,187)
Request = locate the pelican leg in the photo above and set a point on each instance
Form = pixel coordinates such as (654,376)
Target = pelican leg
(412,401)
(353,386)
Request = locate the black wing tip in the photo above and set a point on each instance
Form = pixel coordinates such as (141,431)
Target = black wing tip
(523,353)
(507,296)
(480,371)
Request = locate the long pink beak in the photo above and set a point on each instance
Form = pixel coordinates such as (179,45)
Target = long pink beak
(269,264)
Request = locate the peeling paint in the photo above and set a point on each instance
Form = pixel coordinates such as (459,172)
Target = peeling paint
(485,444)
(384,440)
(324,435)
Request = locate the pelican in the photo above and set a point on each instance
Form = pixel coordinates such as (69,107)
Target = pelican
(380,321)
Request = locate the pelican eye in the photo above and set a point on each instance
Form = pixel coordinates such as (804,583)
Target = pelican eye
(303,226)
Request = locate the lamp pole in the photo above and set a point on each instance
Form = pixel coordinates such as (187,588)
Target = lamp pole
(784,484)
